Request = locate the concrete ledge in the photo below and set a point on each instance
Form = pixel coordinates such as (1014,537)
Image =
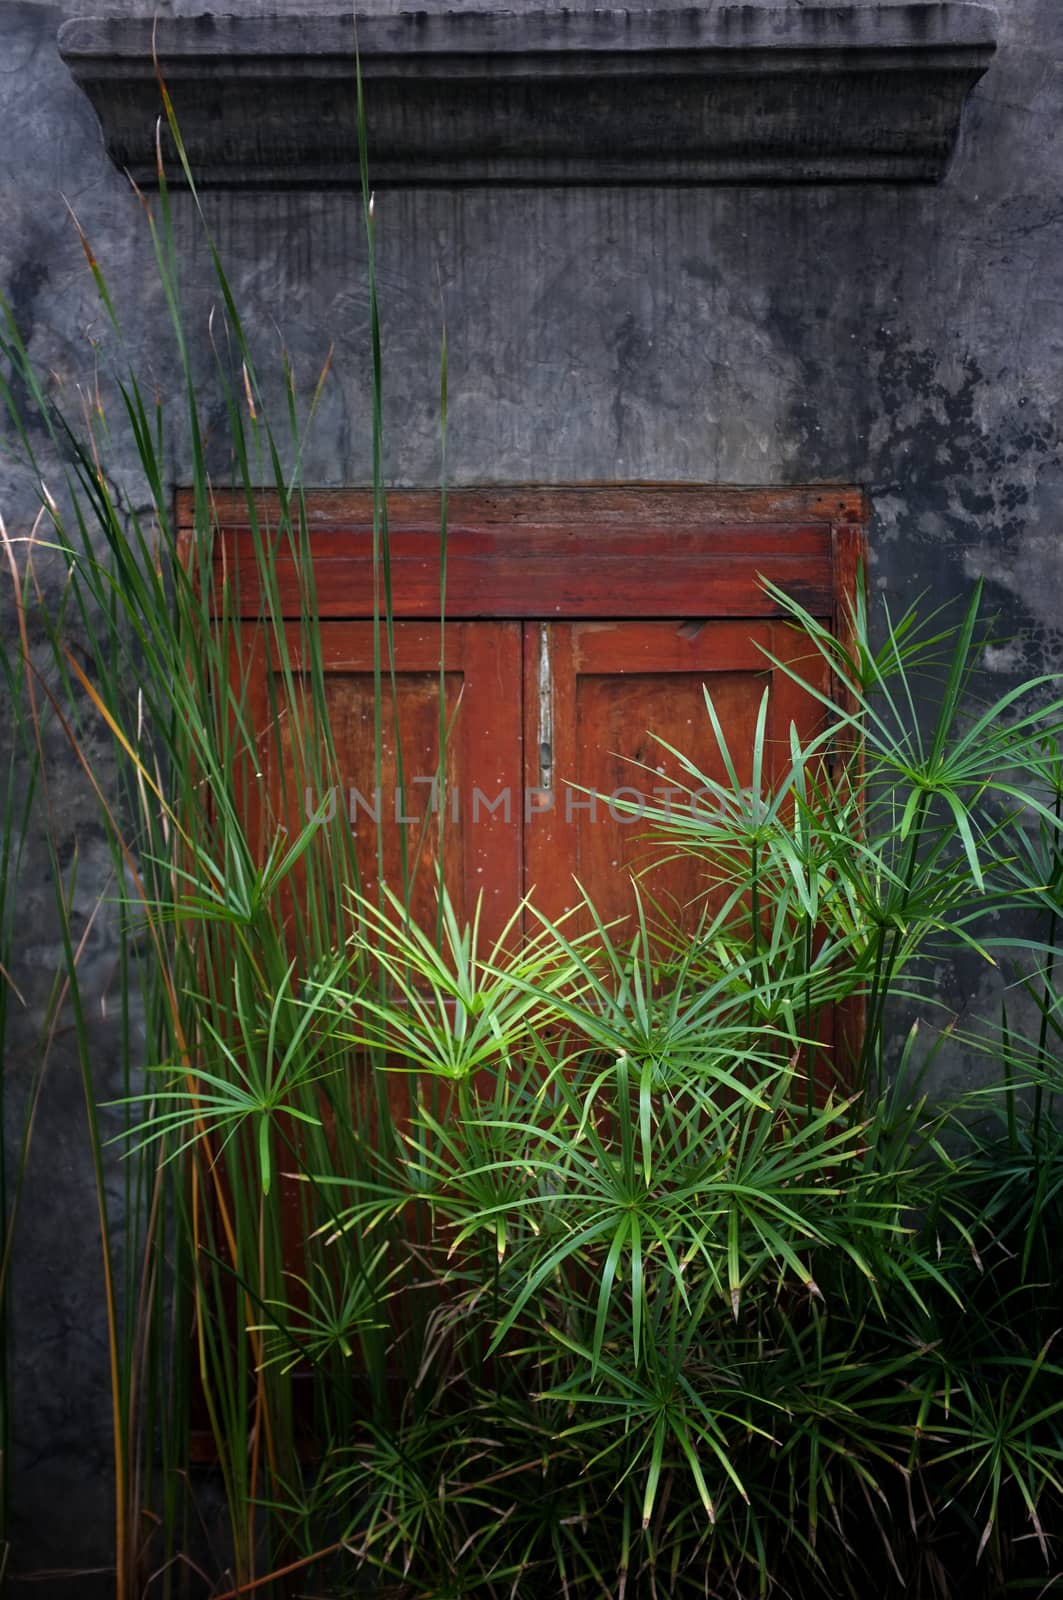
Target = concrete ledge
(707,94)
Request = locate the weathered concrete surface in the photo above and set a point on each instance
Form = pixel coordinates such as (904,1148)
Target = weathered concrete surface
(391,8)
(909,340)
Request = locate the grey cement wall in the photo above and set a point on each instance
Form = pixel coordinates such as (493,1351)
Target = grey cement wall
(907,340)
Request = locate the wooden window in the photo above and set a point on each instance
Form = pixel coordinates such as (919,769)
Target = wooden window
(579,622)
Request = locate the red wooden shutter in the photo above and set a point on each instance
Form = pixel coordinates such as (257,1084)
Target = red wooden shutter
(621,692)
(606,611)
(482,699)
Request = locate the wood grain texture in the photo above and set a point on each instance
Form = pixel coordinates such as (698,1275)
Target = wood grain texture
(537,553)
(623,692)
(482,846)
(588,505)
(659,584)
(552,574)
